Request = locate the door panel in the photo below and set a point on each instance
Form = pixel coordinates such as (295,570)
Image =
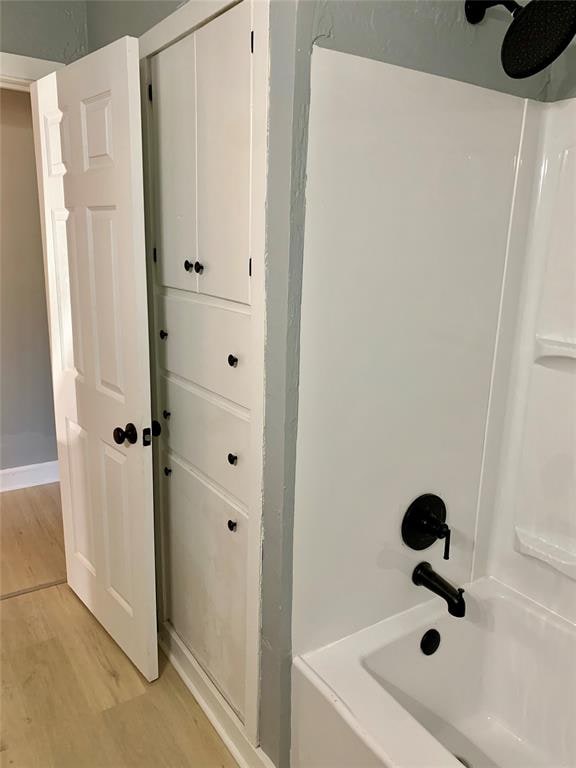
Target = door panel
(88,140)
(218,442)
(223,138)
(210,559)
(201,337)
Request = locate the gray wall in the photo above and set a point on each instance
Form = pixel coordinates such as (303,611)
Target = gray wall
(26,411)
(44,29)
(65,30)
(107,20)
(427,35)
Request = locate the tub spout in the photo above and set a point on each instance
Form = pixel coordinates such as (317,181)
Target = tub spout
(425,576)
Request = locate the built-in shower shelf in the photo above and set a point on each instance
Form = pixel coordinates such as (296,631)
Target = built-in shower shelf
(560,553)
(547,347)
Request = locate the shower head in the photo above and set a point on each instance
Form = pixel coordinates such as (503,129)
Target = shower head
(538,34)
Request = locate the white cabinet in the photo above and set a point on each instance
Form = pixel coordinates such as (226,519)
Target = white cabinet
(173,73)
(223,141)
(209,434)
(201,124)
(207,344)
(205,548)
(202,147)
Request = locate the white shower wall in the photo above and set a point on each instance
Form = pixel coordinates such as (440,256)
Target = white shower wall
(424,198)
(410,187)
(532,532)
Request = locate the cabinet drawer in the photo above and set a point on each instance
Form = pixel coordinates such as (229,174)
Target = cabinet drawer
(201,337)
(206,435)
(205,568)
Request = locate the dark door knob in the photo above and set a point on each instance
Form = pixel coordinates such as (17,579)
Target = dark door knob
(129,433)
(232,525)
(232,459)
(189,266)
(198,268)
(163,334)
(156,428)
(232,361)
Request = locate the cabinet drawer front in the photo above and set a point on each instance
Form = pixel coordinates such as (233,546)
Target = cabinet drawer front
(201,338)
(209,436)
(206,575)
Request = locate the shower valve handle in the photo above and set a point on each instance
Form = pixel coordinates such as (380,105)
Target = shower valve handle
(447,544)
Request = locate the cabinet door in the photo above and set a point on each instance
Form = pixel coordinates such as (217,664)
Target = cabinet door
(223,154)
(174,84)
(206,539)
(89,158)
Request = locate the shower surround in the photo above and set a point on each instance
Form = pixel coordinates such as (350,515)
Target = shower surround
(438,340)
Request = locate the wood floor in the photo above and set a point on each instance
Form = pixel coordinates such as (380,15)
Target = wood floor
(31,539)
(71,698)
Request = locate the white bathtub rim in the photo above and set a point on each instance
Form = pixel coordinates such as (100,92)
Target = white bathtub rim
(413,747)
(339,671)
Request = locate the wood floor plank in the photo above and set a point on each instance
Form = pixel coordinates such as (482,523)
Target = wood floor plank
(71,699)
(31,538)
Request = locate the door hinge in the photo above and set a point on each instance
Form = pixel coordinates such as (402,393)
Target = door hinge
(249,267)
(154,254)
(149,91)
(251,41)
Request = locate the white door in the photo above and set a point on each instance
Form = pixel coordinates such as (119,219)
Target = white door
(89,157)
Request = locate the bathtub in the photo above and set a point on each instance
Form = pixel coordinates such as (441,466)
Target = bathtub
(499,692)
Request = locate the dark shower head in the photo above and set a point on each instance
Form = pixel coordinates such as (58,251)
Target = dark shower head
(538,34)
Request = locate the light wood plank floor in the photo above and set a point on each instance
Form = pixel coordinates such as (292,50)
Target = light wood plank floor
(70,698)
(31,539)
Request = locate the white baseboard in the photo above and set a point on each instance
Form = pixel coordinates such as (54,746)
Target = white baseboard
(216,709)
(25,477)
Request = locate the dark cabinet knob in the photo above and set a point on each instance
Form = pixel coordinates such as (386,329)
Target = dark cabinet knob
(232,361)
(129,433)
(198,268)
(232,525)
(232,459)
(166,414)
(189,266)
(163,334)
(167,471)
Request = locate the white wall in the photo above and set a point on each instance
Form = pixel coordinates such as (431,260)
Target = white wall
(531,537)
(410,187)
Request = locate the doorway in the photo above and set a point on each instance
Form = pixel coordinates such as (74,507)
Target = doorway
(31,540)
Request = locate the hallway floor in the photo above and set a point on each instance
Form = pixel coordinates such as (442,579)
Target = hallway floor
(31,539)
(72,699)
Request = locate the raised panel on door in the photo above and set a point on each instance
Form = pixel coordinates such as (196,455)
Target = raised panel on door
(208,434)
(201,339)
(206,574)
(223,141)
(174,84)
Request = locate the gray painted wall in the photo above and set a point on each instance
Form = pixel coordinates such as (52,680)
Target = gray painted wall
(27,433)
(65,30)
(107,20)
(44,29)
(427,35)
